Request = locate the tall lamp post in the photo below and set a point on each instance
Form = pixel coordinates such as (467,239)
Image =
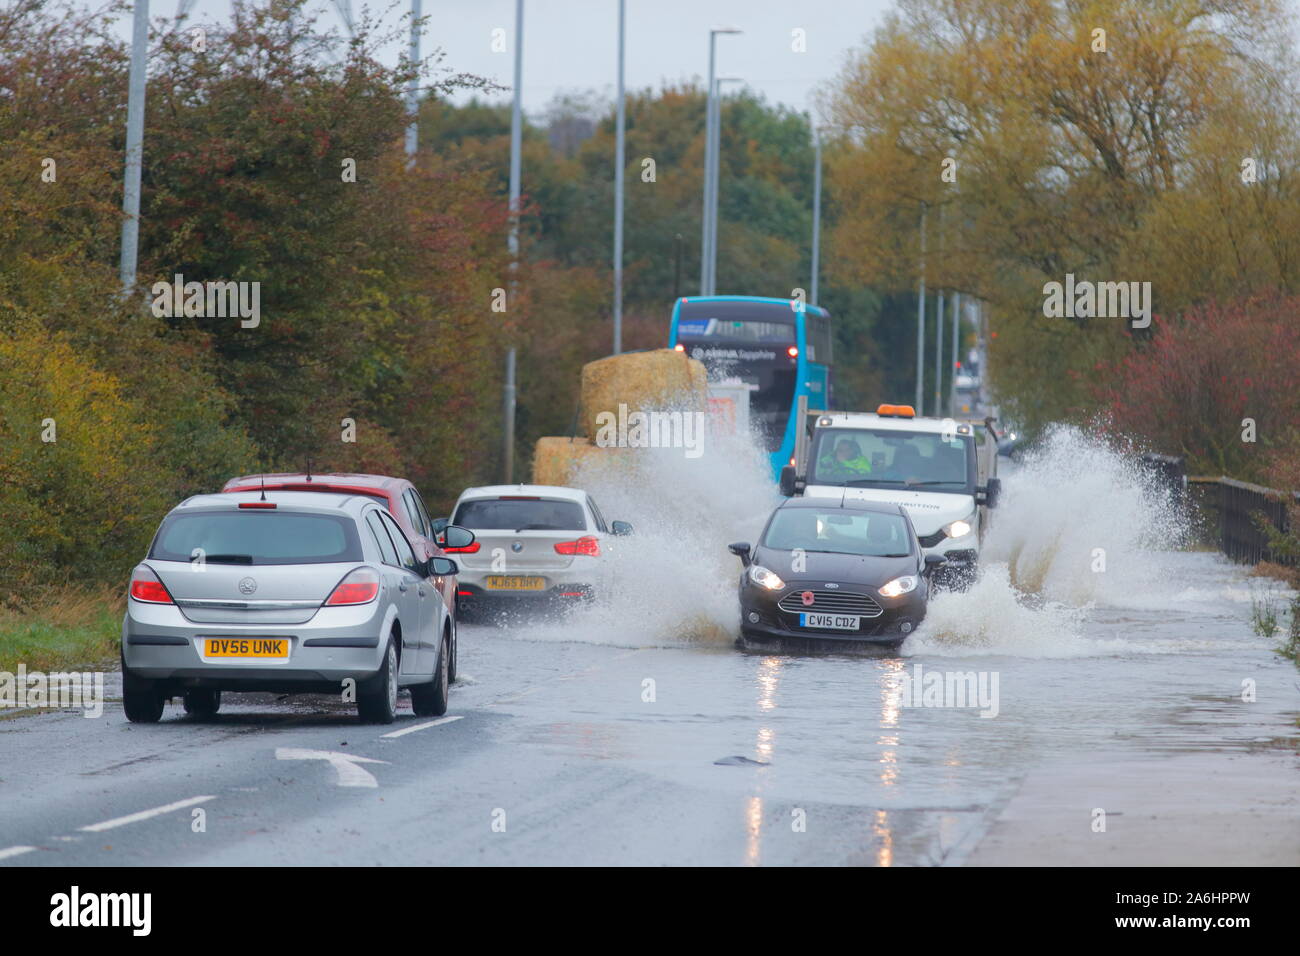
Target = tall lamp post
(516,137)
(716,151)
(619,162)
(134,146)
(706,225)
(920,324)
(817,215)
(412,88)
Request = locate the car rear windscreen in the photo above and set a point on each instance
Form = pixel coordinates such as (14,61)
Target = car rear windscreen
(520,514)
(257,537)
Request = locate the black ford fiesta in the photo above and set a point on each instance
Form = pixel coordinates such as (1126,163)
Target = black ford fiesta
(826,570)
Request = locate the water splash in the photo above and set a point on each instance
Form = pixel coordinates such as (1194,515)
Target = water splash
(1080,526)
(675,579)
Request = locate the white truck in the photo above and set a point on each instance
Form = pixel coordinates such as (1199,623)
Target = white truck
(943,471)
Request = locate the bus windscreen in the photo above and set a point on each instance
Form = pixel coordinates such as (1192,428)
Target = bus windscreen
(735,344)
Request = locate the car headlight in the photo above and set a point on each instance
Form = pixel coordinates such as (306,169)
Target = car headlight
(765,578)
(899,586)
(960,528)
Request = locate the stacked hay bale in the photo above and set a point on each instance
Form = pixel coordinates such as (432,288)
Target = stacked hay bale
(637,381)
(554,459)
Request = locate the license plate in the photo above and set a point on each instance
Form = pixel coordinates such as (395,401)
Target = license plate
(515,582)
(247,647)
(836,622)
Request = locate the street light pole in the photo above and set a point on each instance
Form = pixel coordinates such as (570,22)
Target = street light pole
(413,89)
(920,323)
(706,226)
(714,180)
(516,139)
(817,215)
(619,162)
(956,329)
(134,146)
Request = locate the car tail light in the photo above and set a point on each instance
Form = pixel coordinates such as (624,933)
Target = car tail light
(358,587)
(257,504)
(468,549)
(587,545)
(146,587)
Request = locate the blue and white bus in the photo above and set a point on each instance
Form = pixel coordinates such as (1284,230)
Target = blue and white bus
(781,348)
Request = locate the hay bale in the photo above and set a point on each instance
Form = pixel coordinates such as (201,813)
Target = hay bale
(555,459)
(658,379)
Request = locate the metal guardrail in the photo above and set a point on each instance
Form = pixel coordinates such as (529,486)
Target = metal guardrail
(1233,505)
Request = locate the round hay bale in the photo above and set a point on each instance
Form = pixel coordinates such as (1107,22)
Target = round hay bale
(641,381)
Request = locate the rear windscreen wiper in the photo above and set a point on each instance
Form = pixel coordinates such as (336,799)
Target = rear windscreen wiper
(229,558)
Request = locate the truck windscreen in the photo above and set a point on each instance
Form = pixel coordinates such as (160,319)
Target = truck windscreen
(891,458)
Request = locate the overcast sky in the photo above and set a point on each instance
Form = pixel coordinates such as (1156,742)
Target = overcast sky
(571,45)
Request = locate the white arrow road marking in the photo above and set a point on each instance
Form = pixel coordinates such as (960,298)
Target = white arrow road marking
(350,775)
(144,815)
(15,851)
(410,730)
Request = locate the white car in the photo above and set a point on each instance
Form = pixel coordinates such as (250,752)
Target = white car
(943,472)
(533,544)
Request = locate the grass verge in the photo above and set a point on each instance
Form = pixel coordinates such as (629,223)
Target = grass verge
(73,630)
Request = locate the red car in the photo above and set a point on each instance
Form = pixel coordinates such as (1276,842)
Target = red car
(397,495)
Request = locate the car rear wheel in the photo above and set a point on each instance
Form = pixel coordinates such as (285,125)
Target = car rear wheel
(142,706)
(202,703)
(430,700)
(141,701)
(377,697)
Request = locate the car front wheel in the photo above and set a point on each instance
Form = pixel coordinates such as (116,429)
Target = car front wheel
(430,700)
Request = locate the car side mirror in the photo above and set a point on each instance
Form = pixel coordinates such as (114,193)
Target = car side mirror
(741,550)
(932,561)
(787,481)
(454,536)
(442,567)
(439,525)
(620,527)
(990,493)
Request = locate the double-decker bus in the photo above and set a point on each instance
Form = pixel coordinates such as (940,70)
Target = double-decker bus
(780,348)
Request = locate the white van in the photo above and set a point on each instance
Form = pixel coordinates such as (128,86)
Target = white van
(943,471)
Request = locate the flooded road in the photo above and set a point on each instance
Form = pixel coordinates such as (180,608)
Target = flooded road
(1097,697)
(841,747)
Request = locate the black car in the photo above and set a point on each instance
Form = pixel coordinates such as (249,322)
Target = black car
(840,571)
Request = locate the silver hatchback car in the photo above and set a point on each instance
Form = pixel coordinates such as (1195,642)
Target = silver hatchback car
(290,592)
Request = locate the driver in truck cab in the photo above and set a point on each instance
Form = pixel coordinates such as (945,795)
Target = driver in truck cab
(847,460)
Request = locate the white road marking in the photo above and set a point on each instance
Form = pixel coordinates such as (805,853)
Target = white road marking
(410,730)
(350,775)
(15,851)
(144,815)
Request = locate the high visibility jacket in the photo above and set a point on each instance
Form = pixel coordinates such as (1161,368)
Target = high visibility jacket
(860,465)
